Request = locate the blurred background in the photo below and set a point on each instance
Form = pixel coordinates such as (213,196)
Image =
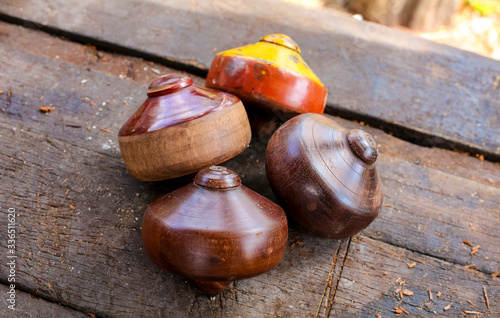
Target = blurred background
(471,25)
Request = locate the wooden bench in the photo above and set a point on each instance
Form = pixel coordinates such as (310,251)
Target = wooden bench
(79,212)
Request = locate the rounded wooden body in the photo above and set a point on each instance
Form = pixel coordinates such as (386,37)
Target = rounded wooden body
(325,176)
(182,128)
(215,230)
(270,74)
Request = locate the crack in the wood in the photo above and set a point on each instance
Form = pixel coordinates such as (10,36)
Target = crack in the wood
(338,279)
(189,66)
(64,305)
(328,283)
(413,135)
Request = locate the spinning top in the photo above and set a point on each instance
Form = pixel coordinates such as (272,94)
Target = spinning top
(270,74)
(182,128)
(215,230)
(325,175)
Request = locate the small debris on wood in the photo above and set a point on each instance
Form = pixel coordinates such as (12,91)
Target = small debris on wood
(470,302)
(472,312)
(92,104)
(487,301)
(49,168)
(46,109)
(447,307)
(378,316)
(91,315)
(475,249)
(411,265)
(1,92)
(72,207)
(387,205)
(156,71)
(471,265)
(428,305)
(495,274)
(64,181)
(125,102)
(407,292)
(106,130)
(468,243)
(400,310)
(297,242)
(438,294)
(430,294)
(400,281)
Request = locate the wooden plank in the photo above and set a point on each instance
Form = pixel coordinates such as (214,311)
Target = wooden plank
(90,257)
(435,94)
(28,306)
(80,212)
(83,247)
(375,274)
(435,199)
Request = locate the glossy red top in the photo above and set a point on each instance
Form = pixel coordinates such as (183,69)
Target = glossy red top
(174,99)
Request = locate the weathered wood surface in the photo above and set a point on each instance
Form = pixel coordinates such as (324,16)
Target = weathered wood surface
(438,95)
(90,258)
(373,271)
(29,306)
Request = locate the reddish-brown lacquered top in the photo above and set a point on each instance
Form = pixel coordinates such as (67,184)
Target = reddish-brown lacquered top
(174,99)
(217,178)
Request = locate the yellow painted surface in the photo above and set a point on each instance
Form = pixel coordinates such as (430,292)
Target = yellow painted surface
(278,54)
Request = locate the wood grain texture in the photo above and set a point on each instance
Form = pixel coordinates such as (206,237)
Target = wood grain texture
(215,230)
(322,177)
(29,306)
(80,238)
(187,147)
(438,95)
(375,274)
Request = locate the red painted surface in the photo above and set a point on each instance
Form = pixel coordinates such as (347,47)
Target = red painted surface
(174,99)
(265,85)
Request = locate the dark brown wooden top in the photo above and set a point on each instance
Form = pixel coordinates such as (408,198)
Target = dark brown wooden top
(80,212)
(316,172)
(212,232)
(436,95)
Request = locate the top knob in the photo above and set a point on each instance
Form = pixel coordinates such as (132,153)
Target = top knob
(363,145)
(168,84)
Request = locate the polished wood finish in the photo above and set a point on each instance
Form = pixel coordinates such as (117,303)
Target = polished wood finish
(89,257)
(182,128)
(324,175)
(270,74)
(214,231)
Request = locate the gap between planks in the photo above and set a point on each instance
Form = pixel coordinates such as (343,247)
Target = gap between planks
(412,135)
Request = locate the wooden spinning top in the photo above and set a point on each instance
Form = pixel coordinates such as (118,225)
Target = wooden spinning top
(324,175)
(269,74)
(215,230)
(182,128)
